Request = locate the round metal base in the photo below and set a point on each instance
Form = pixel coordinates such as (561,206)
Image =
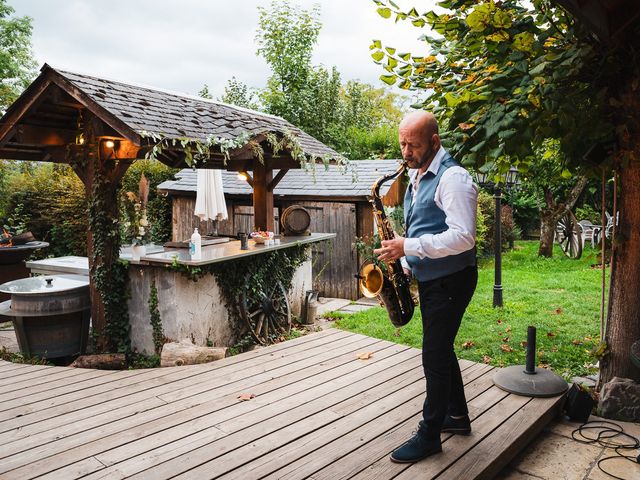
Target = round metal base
(543,383)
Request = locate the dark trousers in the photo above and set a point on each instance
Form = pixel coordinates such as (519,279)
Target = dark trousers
(442,305)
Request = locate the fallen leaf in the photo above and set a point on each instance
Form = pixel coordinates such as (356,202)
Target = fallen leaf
(507,330)
(499,321)
(364,355)
(506,348)
(486,359)
(505,339)
(576,342)
(468,344)
(523,343)
(543,365)
(244,397)
(557,311)
(551,334)
(396,333)
(587,339)
(466,126)
(554,349)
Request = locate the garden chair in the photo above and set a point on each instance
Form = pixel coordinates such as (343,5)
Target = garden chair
(587,228)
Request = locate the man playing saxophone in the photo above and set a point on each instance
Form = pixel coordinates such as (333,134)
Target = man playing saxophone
(439,251)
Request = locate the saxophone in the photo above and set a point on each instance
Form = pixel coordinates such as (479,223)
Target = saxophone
(392,288)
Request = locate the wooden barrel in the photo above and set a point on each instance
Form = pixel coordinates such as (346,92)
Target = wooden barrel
(295,221)
(50,314)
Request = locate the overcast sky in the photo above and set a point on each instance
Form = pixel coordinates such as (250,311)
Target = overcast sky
(183,44)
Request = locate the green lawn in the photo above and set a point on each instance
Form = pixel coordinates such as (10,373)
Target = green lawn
(559,296)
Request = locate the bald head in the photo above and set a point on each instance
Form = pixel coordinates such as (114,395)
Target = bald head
(420,121)
(419,139)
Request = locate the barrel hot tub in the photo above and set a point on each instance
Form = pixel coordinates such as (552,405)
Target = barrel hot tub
(50,314)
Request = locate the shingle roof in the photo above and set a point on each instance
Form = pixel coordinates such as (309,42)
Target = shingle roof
(177,115)
(328,183)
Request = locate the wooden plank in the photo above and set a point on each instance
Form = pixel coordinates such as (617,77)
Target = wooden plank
(303,458)
(256,450)
(382,413)
(346,461)
(156,383)
(47,457)
(266,413)
(488,401)
(77,470)
(32,387)
(12,371)
(54,417)
(457,448)
(34,372)
(494,452)
(94,421)
(262,197)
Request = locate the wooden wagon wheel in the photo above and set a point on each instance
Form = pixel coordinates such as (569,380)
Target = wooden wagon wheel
(266,313)
(569,236)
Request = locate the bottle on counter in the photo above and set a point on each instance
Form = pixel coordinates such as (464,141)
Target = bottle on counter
(195,245)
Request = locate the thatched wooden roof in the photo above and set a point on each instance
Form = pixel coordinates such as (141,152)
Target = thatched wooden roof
(47,115)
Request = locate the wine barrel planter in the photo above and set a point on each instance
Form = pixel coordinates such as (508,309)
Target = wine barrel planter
(50,314)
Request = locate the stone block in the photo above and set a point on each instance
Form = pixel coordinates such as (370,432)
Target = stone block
(620,399)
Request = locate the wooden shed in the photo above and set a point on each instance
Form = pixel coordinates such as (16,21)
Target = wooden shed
(337,201)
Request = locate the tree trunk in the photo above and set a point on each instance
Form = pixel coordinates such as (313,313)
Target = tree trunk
(547,233)
(551,215)
(623,319)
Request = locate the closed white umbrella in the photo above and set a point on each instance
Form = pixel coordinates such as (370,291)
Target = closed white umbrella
(210,202)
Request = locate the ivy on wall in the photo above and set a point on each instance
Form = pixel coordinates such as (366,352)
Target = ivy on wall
(156,321)
(246,276)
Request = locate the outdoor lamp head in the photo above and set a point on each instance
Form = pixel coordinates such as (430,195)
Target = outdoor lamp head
(242,175)
(482,178)
(512,177)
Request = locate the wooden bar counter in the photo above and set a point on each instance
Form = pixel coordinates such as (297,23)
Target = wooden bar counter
(196,310)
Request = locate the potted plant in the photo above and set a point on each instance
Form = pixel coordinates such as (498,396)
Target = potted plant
(136,224)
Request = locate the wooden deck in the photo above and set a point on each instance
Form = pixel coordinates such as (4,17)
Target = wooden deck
(318,412)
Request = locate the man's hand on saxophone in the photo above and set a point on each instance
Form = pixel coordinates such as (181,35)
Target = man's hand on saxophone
(391,249)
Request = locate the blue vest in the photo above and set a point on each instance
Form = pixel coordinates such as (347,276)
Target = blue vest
(424,216)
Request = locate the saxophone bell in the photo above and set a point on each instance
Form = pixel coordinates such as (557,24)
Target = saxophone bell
(371,280)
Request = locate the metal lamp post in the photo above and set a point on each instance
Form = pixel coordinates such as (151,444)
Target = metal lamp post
(510,181)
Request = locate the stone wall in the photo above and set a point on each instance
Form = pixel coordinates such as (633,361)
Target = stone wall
(193,310)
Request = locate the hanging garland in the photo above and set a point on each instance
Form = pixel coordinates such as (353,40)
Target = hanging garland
(198,151)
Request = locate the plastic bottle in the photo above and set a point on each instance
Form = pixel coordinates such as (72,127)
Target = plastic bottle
(195,245)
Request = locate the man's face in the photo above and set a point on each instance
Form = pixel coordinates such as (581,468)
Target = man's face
(417,147)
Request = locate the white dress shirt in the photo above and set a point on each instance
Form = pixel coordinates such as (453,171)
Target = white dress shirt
(457,196)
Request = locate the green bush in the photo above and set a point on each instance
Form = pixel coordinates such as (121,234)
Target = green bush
(485,225)
(587,212)
(526,209)
(48,200)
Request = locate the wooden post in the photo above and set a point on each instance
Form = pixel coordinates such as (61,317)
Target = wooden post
(262,197)
(90,167)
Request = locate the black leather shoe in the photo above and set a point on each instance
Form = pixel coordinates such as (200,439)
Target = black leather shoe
(417,448)
(461,426)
